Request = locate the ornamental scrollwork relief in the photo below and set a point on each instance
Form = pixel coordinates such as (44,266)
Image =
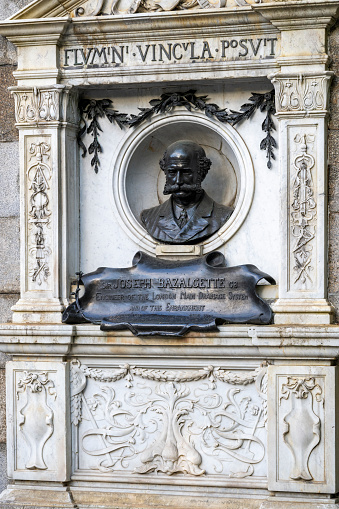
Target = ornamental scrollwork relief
(34,106)
(39,174)
(92,110)
(303,214)
(35,419)
(141,420)
(301,425)
(113,7)
(301,93)
(39,106)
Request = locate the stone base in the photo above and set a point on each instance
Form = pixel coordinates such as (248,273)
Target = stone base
(303,312)
(20,498)
(34,311)
(283,503)
(79,498)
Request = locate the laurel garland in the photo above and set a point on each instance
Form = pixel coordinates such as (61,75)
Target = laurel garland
(92,110)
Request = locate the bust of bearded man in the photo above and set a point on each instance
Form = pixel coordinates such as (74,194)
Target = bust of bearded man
(189,216)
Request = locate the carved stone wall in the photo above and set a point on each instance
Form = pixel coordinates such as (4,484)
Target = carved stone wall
(37,404)
(333,174)
(207,422)
(9,208)
(302,427)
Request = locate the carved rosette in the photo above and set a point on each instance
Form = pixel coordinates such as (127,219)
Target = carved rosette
(301,93)
(143,421)
(36,416)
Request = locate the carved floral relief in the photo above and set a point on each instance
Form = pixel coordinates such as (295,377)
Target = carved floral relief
(109,7)
(40,106)
(143,421)
(36,416)
(301,429)
(301,93)
(36,106)
(39,174)
(303,212)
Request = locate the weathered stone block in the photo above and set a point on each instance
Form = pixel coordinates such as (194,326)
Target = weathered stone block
(9,178)
(9,255)
(333,146)
(2,405)
(8,131)
(10,7)
(333,170)
(333,258)
(8,53)
(3,357)
(334,300)
(334,105)
(3,467)
(7,300)
(333,187)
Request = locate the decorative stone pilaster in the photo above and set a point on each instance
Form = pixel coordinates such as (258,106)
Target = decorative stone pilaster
(301,104)
(47,120)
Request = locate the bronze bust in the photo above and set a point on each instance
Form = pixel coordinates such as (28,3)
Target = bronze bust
(190,215)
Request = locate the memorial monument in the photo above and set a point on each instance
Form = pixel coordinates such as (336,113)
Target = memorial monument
(107,411)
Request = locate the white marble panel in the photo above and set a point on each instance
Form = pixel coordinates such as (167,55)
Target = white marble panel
(133,422)
(302,430)
(37,419)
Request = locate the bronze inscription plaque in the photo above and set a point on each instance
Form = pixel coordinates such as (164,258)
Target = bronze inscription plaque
(161,297)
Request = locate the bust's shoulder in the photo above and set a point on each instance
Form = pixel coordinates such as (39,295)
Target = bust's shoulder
(220,212)
(154,212)
(223,210)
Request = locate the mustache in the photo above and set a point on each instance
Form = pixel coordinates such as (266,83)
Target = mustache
(175,188)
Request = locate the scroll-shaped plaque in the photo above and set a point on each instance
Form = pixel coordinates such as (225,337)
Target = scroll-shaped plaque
(170,298)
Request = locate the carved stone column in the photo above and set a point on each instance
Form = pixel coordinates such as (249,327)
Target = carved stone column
(301,103)
(47,119)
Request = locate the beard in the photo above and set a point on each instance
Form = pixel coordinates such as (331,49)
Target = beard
(188,188)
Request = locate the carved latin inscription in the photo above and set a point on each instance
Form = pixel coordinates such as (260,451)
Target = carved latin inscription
(173,52)
(144,420)
(36,417)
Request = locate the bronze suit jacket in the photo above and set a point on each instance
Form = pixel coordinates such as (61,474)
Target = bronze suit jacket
(207,218)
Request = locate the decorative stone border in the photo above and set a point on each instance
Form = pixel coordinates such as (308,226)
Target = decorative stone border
(129,144)
(91,110)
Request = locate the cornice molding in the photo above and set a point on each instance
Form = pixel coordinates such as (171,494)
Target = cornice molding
(34,32)
(299,15)
(47,9)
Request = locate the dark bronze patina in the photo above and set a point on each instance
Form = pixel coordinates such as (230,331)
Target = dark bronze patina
(92,110)
(190,215)
(170,298)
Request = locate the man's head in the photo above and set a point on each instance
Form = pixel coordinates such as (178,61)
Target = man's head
(185,165)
